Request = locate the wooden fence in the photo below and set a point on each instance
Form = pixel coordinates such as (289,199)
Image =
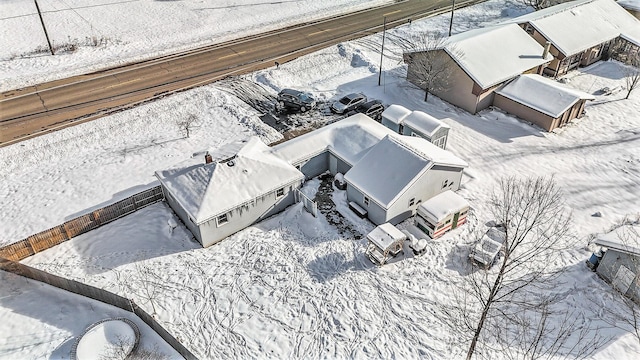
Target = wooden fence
(80,225)
(96,294)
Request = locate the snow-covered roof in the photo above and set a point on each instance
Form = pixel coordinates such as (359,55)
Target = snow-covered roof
(395,113)
(208,190)
(349,139)
(624,239)
(385,235)
(495,54)
(541,94)
(393,164)
(576,26)
(442,205)
(424,123)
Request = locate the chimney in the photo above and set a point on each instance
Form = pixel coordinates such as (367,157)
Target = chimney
(547,46)
(207,158)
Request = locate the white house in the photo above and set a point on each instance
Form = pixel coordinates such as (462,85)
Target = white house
(387,174)
(233,188)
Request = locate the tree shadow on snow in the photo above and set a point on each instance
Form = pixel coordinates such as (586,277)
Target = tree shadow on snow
(328,267)
(142,235)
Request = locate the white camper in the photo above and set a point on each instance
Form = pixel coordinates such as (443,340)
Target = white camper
(441,213)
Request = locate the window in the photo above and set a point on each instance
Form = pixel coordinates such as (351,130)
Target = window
(222,219)
(280,192)
(448,221)
(400,129)
(440,227)
(445,184)
(440,142)
(412,201)
(366,201)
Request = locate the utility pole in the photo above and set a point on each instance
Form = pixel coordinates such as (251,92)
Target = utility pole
(384,31)
(453,5)
(43,27)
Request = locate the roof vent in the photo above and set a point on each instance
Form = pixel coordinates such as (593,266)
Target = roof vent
(230,163)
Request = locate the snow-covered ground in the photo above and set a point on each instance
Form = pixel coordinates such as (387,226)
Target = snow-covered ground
(111,32)
(41,321)
(292,286)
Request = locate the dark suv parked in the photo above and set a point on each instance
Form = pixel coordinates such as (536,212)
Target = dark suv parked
(294,99)
(372,109)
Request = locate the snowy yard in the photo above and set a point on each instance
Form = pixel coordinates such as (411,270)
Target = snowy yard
(293,286)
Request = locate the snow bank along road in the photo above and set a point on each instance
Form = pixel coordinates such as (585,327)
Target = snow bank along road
(35,110)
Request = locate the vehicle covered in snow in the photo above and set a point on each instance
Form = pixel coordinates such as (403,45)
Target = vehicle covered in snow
(486,250)
(443,212)
(384,242)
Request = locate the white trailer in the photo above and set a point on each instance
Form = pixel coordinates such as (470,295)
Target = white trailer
(441,213)
(385,241)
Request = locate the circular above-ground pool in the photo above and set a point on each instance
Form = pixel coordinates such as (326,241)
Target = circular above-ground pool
(107,339)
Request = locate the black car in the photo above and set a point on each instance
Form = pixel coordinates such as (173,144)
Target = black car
(294,99)
(372,109)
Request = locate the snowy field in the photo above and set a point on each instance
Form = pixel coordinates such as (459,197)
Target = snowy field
(109,32)
(293,286)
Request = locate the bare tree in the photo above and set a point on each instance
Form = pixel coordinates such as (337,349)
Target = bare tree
(430,66)
(512,294)
(541,4)
(632,76)
(187,124)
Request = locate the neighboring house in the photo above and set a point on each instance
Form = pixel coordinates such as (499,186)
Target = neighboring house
(416,123)
(632,6)
(581,32)
(224,192)
(541,101)
(388,175)
(620,264)
(483,59)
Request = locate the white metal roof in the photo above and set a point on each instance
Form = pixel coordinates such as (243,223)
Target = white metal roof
(542,94)
(424,123)
(208,190)
(383,236)
(624,239)
(386,170)
(395,113)
(575,26)
(349,139)
(443,205)
(495,54)
(393,164)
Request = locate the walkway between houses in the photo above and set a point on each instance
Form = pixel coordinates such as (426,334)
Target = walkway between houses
(328,208)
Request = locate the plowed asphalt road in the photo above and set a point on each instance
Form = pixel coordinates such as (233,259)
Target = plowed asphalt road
(35,110)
